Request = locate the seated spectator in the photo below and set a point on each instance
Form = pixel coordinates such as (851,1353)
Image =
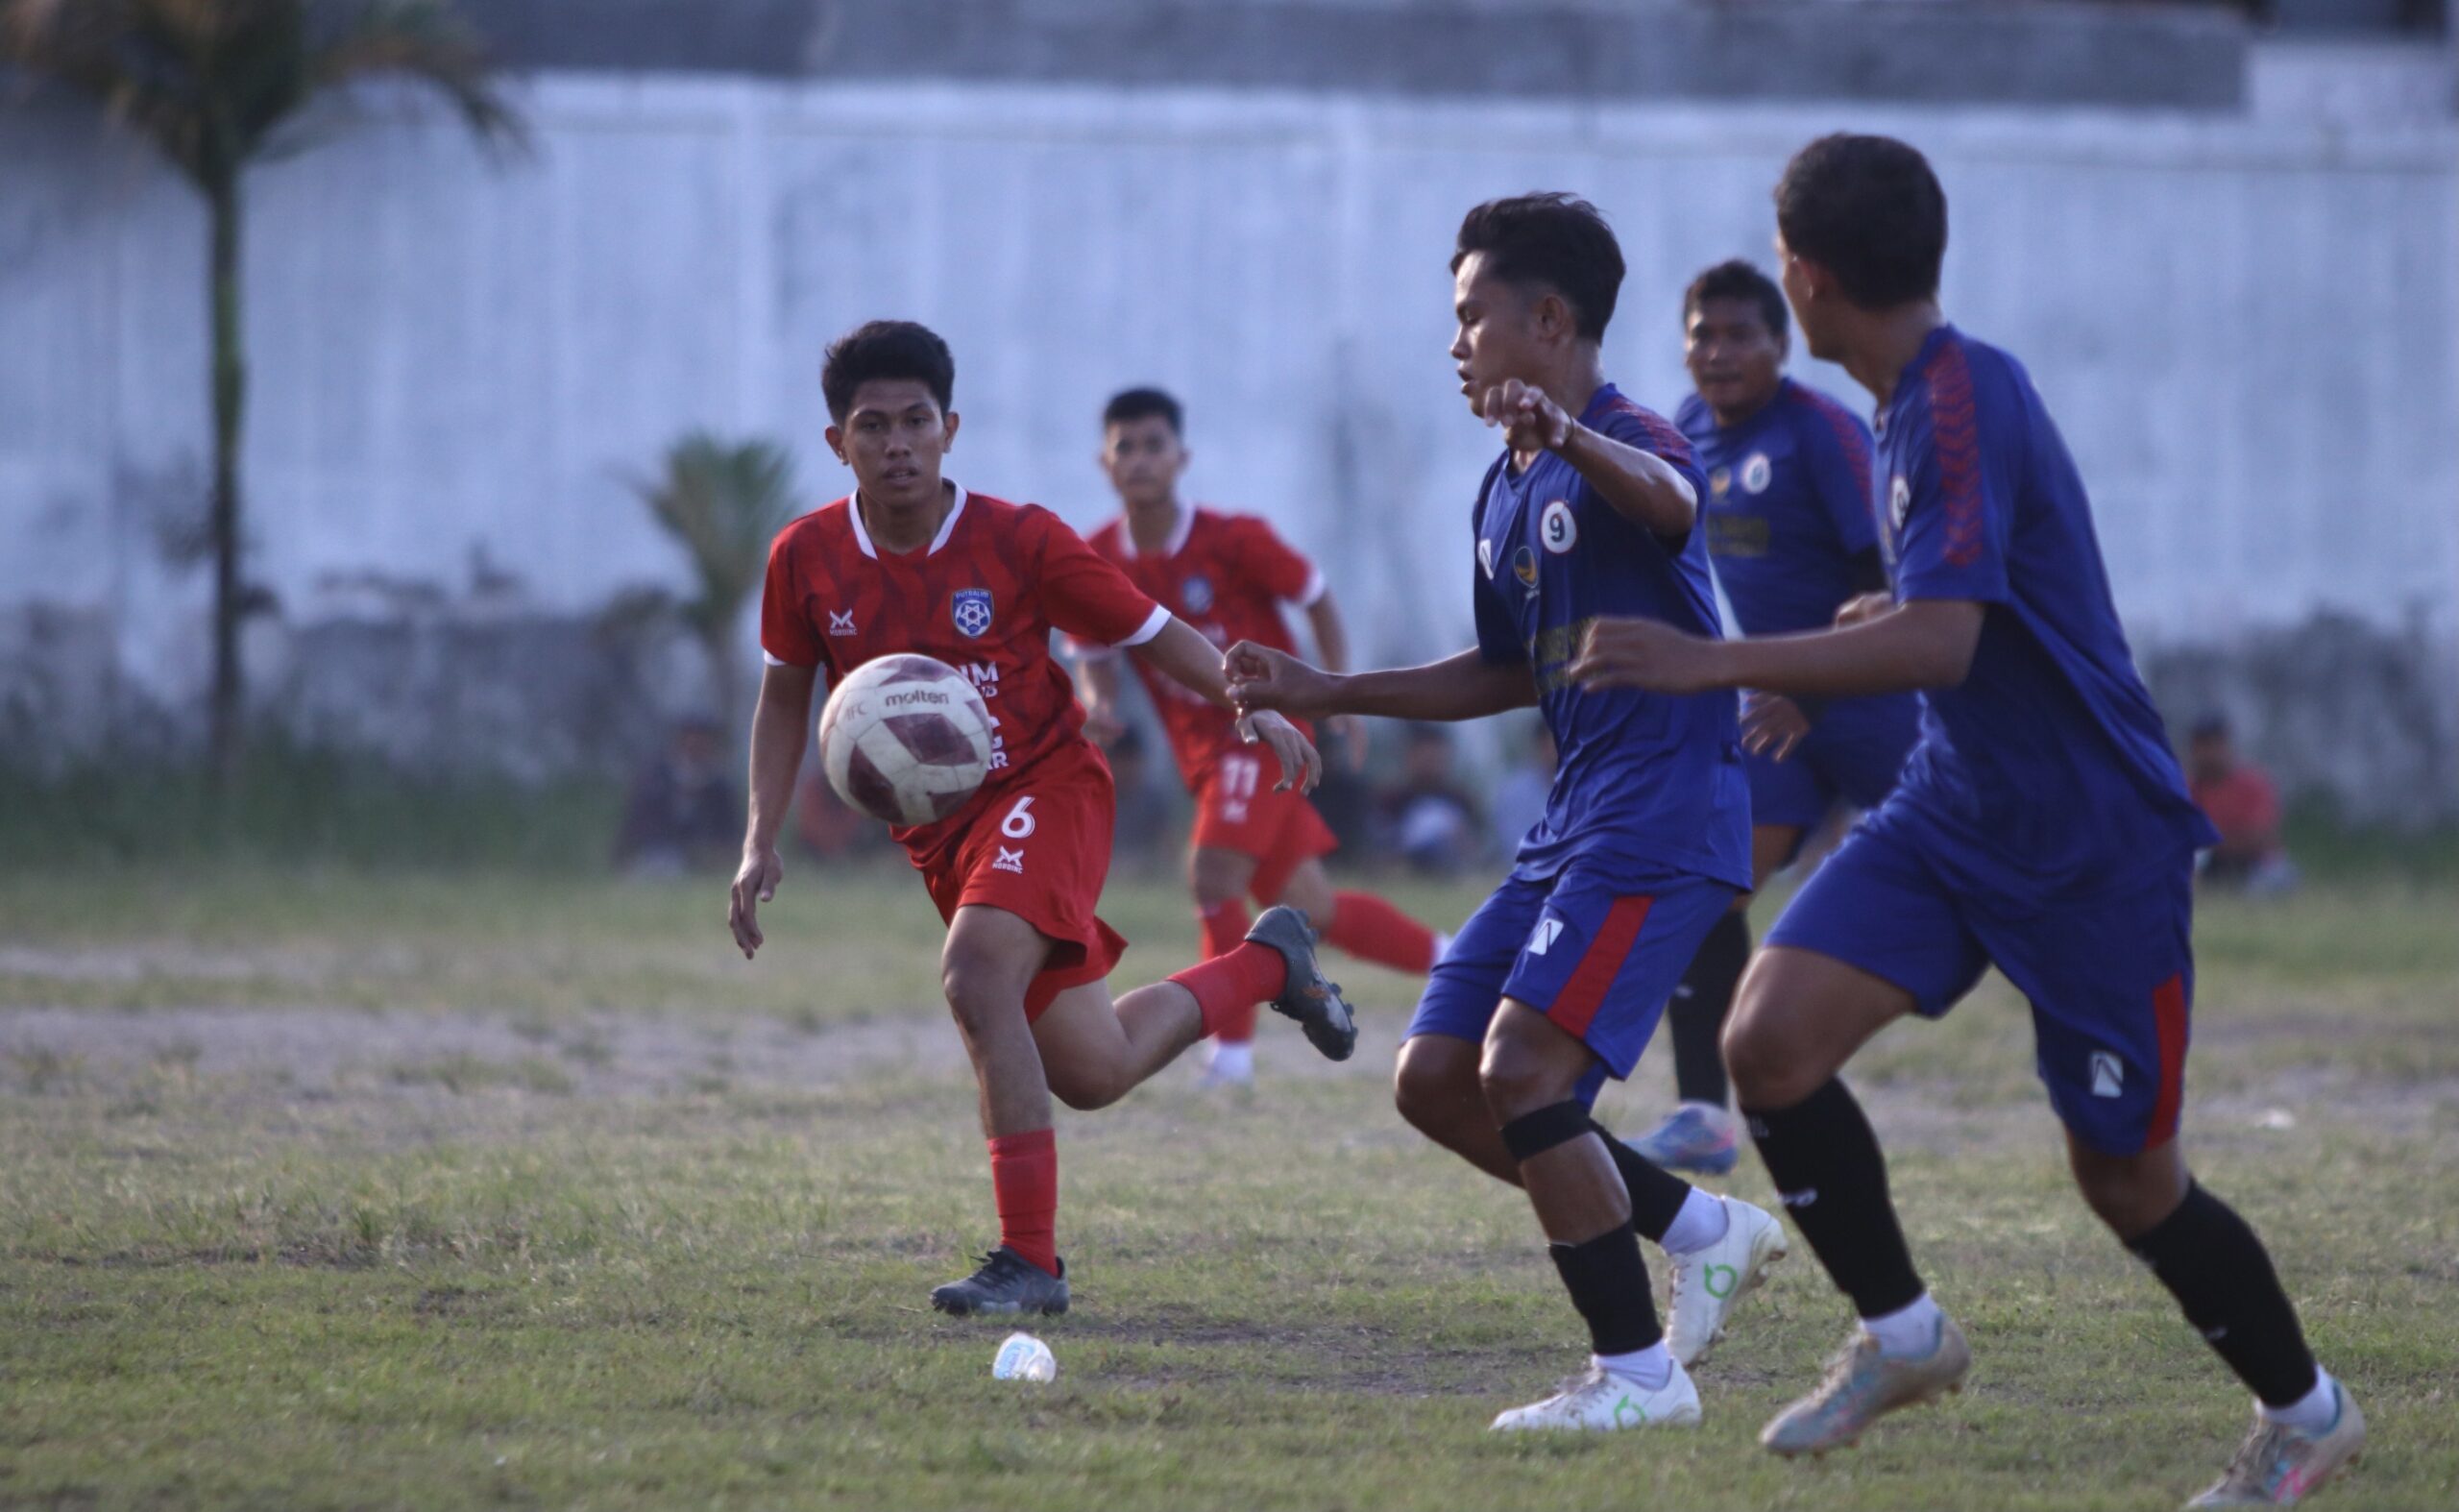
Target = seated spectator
(829,828)
(1520,798)
(2243,805)
(683,815)
(1428,820)
(1144,819)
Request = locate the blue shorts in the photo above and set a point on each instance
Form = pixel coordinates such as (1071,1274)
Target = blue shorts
(1852,753)
(1596,954)
(2110,976)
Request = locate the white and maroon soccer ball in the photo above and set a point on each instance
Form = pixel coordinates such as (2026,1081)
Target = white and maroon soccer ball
(905,738)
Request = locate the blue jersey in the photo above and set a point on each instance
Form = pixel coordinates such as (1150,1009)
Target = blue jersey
(2047,772)
(1788,506)
(1646,783)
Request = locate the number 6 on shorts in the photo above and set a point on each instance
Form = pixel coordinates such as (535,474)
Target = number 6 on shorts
(1019,822)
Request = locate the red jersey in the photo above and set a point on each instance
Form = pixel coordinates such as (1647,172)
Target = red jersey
(983,598)
(1228,576)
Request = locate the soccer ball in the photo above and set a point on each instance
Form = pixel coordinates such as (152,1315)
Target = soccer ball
(905,738)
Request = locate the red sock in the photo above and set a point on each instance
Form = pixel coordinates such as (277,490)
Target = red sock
(1024,1176)
(1225,930)
(1365,926)
(1230,984)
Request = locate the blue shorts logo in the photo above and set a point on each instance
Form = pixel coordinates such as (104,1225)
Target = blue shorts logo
(971,608)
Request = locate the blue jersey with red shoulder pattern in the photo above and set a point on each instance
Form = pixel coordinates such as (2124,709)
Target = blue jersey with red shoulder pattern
(1787,506)
(1644,783)
(2047,771)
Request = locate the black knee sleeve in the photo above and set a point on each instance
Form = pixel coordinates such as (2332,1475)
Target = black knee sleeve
(1531,1134)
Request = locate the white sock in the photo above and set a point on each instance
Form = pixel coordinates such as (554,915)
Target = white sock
(1910,1332)
(1647,1369)
(1237,1062)
(1702,1222)
(2311,1413)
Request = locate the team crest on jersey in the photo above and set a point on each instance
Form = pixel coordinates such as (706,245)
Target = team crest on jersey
(1756,472)
(1720,483)
(1198,593)
(1523,566)
(971,610)
(1899,502)
(1558,527)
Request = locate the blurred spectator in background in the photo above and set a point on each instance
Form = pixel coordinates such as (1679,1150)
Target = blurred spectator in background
(1520,798)
(829,828)
(1428,820)
(1144,818)
(683,815)
(2243,805)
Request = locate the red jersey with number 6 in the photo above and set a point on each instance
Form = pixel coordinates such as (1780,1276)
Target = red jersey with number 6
(982,597)
(1228,576)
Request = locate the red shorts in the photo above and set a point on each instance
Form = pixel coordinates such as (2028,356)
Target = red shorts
(1040,849)
(1237,810)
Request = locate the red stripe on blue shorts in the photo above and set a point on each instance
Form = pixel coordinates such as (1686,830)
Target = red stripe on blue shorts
(1577,1003)
(2169,1021)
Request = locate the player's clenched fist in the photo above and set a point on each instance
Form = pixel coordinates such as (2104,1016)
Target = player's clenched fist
(754,884)
(1772,726)
(1260,677)
(1641,653)
(1529,419)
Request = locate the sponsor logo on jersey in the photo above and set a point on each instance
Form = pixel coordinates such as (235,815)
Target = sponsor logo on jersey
(1010,861)
(1542,938)
(1523,566)
(2108,1075)
(1558,527)
(1756,472)
(840,622)
(985,677)
(1198,593)
(970,608)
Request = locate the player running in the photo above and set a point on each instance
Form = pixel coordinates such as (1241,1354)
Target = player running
(910,562)
(1788,516)
(2041,825)
(1557,981)
(1229,576)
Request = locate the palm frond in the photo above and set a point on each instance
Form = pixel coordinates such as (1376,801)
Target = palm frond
(426,42)
(722,502)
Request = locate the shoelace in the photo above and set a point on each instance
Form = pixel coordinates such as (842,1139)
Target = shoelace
(2263,1448)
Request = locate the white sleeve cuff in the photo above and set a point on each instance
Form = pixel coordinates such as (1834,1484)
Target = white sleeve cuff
(772,658)
(1151,626)
(1316,585)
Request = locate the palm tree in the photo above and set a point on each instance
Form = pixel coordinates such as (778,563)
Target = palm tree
(723,502)
(217,86)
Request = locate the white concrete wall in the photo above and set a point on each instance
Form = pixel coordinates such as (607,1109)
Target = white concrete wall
(2250,331)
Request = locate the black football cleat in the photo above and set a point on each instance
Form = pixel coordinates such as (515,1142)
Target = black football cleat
(1006,1283)
(1307,996)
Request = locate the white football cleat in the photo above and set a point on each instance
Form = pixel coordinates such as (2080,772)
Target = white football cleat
(1709,1282)
(1600,1401)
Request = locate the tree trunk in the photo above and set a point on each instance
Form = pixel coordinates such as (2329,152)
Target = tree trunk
(230,405)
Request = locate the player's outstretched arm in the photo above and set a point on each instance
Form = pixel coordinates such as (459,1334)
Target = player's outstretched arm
(1097,687)
(1461,687)
(779,727)
(1925,643)
(1182,653)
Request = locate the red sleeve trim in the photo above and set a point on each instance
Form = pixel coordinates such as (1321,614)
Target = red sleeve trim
(1662,438)
(1957,433)
(1848,434)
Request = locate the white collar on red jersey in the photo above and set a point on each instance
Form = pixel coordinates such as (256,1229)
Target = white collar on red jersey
(947,527)
(1177,540)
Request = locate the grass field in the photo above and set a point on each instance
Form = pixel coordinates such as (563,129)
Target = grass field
(333,1190)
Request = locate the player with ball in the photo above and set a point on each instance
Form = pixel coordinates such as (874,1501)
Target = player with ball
(930,611)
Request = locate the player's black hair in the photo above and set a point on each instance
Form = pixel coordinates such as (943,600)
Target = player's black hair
(1738,279)
(1558,240)
(1869,210)
(886,349)
(1143,404)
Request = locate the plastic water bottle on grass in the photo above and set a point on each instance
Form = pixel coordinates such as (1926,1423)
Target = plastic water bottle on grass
(1024,1357)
